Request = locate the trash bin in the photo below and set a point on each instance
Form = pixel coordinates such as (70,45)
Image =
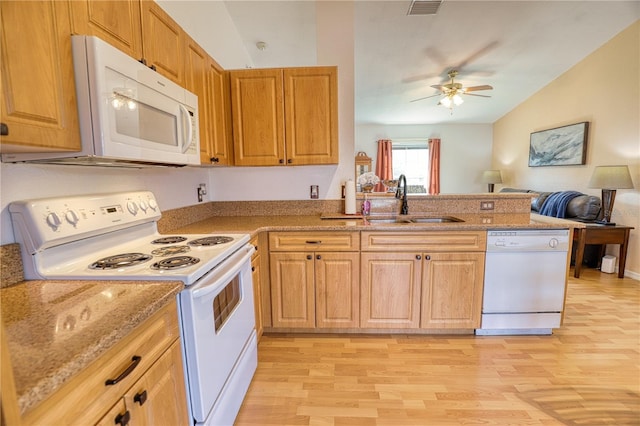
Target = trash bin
(608,264)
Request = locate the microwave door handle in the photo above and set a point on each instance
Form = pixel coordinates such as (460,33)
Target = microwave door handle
(185,113)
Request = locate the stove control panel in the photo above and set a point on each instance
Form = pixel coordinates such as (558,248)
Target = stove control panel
(47,222)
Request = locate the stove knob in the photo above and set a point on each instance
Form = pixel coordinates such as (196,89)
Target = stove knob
(143,205)
(53,221)
(132,207)
(153,204)
(71,217)
(553,243)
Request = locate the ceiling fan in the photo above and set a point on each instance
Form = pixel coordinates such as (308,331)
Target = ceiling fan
(451,92)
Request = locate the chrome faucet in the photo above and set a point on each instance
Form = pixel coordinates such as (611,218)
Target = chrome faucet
(402,183)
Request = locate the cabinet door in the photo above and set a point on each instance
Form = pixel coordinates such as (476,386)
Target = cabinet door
(337,289)
(196,81)
(117,23)
(452,290)
(390,290)
(159,396)
(311,115)
(37,91)
(219,115)
(162,42)
(257,293)
(258,117)
(117,415)
(292,290)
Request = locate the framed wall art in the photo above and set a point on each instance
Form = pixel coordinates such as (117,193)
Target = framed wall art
(561,146)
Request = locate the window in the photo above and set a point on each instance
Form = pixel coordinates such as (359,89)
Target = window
(411,158)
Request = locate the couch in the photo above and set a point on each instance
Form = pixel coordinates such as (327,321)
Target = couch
(574,205)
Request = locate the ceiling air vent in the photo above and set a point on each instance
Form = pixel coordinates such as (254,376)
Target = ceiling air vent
(423,7)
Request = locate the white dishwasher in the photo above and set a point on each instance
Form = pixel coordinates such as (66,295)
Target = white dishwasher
(524,281)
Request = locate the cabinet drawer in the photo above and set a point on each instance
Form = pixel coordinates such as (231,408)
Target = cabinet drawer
(431,241)
(85,398)
(325,241)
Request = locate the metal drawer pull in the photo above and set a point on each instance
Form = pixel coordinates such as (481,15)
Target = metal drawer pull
(123,419)
(140,398)
(313,242)
(135,360)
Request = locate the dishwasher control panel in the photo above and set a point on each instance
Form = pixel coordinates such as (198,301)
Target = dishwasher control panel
(528,240)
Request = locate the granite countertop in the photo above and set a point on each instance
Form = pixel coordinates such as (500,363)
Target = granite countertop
(471,221)
(48,337)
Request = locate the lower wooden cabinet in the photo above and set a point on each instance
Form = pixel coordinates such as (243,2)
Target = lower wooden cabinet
(452,286)
(159,396)
(390,290)
(427,280)
(314,288)
(399,281)
(146,382)
(256,276)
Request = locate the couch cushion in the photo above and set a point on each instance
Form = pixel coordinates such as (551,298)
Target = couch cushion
(538,201)
(585,207)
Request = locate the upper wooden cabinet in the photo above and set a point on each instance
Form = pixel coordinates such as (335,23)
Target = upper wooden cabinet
(207,79)
(163,42)
(285,116)
(115,22)
(218,112)
(37,95)
(140,28)
(196,81)
(311,115)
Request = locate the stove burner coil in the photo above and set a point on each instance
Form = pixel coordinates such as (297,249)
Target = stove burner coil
(170,250)
(210,241)
(120,261)
(169,240)
(175,263)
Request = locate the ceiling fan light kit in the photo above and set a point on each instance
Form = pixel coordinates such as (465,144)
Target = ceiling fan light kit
(452,91)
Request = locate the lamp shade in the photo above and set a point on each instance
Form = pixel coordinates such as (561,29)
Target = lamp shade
(611,177)
(491,176)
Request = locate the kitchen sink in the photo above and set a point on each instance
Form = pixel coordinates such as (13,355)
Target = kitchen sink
(387,220)
(441,219)
(413,219)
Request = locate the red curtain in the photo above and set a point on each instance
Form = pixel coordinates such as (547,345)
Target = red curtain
(384,163)
(434,166)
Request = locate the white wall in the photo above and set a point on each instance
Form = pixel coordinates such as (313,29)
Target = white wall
(465,150)
(210,25)
(334,26)
(584,93)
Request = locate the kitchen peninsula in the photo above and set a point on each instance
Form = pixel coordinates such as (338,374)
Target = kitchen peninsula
(314,262)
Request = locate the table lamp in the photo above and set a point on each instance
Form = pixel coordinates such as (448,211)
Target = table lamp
(491,177)
(610,178)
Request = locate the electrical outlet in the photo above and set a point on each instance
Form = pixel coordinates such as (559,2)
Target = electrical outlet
(486,205)
(202,191)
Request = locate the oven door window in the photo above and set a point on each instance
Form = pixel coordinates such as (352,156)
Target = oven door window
(225,302)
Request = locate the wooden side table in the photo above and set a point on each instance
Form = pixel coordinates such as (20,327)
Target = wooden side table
(601,234)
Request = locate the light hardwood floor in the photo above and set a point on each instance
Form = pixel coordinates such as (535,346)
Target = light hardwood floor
(586,373)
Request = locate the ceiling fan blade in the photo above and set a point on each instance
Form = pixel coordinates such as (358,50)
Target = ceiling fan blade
(426,97)
(476,88)
(440,87)
(475,94)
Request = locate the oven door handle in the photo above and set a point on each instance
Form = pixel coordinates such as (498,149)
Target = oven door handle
(236,262)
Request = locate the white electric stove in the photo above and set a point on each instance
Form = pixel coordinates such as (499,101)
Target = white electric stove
(115,237)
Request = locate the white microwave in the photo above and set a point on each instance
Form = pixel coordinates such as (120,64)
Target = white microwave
(130,115)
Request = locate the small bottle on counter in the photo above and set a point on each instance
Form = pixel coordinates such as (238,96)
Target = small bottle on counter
(366,206)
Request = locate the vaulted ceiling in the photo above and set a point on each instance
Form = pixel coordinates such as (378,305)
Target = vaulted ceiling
(517,47)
